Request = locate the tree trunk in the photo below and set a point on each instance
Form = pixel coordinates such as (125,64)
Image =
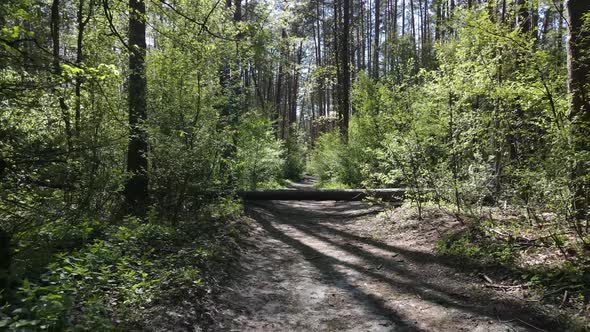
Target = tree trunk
(394,19)
(369,41)
(535,20)
(403,17)
(523,15)
(295,91)
(82,22)
(560,14)
(363,37)
(438,23)
(546,19)
(344,79)
(55,36)
(136,188)
(413,24)
(279,86)
(376,39)
(5,258)
(578,50)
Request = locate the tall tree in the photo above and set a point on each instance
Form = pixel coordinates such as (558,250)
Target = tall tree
(136,188)
(279,86)
(578,53)
(81,22)
(55,36)
(376,40)
(343,54)
(523,16)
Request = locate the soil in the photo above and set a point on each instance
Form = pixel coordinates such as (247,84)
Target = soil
(340,266)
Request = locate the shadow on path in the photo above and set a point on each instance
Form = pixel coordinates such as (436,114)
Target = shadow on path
(326,265)
(398,271)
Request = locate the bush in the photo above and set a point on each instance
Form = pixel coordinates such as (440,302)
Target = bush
(325,159)
(133,267)
(349,165)
(294,155)
(259,153)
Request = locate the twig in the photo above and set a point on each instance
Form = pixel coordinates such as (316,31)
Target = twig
(521,321)
(109,16)
(203,25)
(531,325)
(565,297)
(488,279)
(559,290)
(504,286)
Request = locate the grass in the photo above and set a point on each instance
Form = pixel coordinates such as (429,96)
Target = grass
(331,184)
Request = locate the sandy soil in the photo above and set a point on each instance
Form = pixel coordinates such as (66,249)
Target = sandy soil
(334,266)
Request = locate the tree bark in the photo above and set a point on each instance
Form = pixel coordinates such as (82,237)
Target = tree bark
(136,188)
(279,86)
(343,94)
(295,90)
(5,258)
(82,22)
(578,50)
(523,15)
(55,36)
(403,17)
(413,24)
(438,23)
(376,39)
(390,195)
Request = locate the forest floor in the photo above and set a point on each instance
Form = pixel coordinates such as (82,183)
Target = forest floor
(334,266)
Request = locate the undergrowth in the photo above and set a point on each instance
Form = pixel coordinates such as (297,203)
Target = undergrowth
(556,268)
(113,277)
(331,184)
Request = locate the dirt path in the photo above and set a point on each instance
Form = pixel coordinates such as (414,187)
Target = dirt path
(331,266)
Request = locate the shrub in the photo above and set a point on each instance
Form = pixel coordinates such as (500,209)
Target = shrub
(325,159)
(259,153)
(294,155)
(134,266)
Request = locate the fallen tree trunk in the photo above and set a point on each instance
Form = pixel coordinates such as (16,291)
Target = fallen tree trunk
(391,195)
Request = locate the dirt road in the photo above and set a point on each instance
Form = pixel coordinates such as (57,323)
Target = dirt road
(331,266)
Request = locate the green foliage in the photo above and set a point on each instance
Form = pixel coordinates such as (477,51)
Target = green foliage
(259,153)
(462,246)
(132,267)
(480,128)
(294,155)
(73,261)
(479,119)
(349,165)
(480,248)
(331,184)
(324,160)
(475,246)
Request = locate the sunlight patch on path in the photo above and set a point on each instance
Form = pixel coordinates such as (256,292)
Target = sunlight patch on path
(314,269)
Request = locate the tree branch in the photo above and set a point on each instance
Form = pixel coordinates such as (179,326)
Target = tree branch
(109,17)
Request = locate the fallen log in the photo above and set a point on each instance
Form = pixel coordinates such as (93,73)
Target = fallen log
(390,195)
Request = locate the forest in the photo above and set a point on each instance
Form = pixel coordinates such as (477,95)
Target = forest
(129,128)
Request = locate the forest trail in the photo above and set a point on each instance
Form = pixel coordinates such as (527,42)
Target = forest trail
(323,266)
(307,183)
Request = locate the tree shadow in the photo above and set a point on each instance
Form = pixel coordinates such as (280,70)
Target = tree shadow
(399,277)
(326,265)
(323,209)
